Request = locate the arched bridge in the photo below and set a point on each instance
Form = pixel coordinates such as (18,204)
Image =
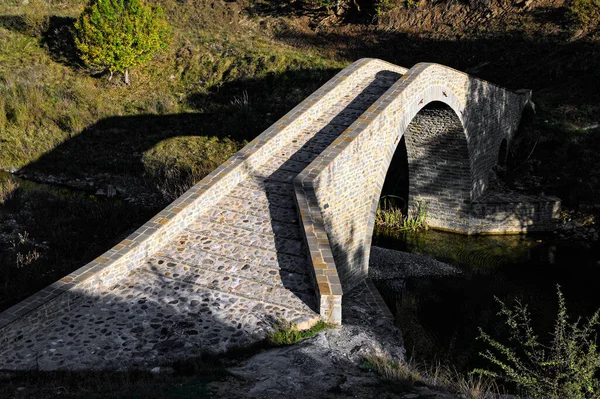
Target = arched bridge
(281,229)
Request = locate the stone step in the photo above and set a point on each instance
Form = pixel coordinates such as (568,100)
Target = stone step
(194,243)
(235,285)
(279,175)
(240,236)
(316,145)
(276,163)
(336,123)
(259,224)
(244,210)
(361,103)
(261,197)
(343,113)
(184,271)
(384,79)
(199,303)
(279,188)
(299,154)
(284,264)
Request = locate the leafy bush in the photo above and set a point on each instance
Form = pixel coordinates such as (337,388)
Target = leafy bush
(564,369)
(117,35)
(584,13)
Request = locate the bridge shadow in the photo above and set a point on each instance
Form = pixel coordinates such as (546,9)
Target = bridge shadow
(309,151)
(133,153)
(142,322)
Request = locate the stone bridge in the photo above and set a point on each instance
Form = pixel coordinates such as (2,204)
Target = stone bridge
(282,228)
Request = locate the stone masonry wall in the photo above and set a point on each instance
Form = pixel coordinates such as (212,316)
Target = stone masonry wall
(439,167)
(348,177)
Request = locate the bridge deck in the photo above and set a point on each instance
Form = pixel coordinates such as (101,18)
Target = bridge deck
(221,283)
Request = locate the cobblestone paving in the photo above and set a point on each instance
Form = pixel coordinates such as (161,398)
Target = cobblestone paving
(221,283)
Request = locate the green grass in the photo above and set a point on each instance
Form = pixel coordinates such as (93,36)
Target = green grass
(47,98)
(288,334)
(390,216)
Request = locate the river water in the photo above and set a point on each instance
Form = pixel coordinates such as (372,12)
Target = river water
(440,316)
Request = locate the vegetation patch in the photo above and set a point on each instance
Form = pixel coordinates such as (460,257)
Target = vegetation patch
(409,374)
(390,216)
(566,368)
(287,333)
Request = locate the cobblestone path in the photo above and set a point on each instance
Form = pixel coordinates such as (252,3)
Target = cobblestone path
(223,281)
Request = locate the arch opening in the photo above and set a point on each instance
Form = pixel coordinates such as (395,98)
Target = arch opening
(395,190)
(431,168)
(503,153)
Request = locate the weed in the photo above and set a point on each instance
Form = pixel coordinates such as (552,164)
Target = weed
(390,216)
(287,333)
(475,386)
(8,186)
(407,374)
(566,368)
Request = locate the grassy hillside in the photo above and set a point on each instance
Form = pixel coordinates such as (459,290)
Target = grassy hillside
(234,67)
(229,78)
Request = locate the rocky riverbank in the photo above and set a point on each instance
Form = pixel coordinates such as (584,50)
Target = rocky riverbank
(331,365)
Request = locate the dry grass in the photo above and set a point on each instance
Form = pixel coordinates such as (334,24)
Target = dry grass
(438,376)
(8,186)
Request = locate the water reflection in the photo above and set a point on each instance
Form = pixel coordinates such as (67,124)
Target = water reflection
(440,316)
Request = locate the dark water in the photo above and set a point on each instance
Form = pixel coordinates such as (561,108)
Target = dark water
(440,316)
(57,230)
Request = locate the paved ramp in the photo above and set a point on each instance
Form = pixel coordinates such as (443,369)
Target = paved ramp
(221,280)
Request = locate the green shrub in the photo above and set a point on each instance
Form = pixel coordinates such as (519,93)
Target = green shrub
(117,35)
(287,333)
(564,369)
(584,13)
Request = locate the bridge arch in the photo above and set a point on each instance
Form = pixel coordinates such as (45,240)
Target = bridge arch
(338,193)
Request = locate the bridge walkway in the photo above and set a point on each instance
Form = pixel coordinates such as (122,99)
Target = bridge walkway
(221,283)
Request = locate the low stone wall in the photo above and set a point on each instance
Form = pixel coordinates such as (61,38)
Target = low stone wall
(328,284)
(509,213)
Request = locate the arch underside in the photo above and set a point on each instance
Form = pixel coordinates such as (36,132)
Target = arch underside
(439,167)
